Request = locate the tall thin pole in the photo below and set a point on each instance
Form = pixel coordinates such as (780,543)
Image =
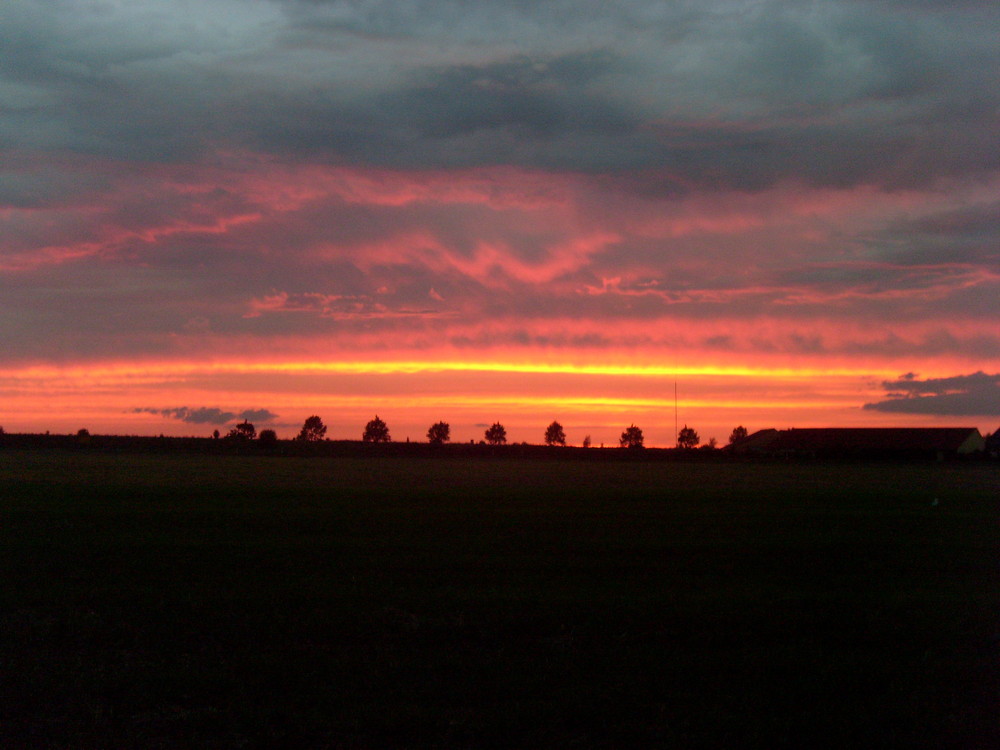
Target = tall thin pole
(676,433)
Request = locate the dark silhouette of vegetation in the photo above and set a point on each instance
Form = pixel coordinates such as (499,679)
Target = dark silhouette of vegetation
(687,438)
(631,437)
(242,432)
(376,431)
(496,434)
(268,438)
(215,434)
(586,441)
(738,433)
(554,434)
(439,433)
(312,430)
(83,432)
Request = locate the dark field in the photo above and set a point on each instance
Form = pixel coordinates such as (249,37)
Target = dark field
(248,602)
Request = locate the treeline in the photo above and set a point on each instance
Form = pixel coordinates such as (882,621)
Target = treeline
(439,433)
(208,446)
(311,440)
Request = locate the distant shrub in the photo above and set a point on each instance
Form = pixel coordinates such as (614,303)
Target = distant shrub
(376,431)
(631,437)
(555,435)
(687,438)
(496,434)
(243,431)
(268,438)
(439,433)
(312,430)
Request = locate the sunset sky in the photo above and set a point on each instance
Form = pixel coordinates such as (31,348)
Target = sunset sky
(518,211)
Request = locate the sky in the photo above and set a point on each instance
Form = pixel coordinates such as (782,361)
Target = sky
(785,213)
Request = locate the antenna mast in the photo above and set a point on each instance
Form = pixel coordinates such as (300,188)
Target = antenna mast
(675,412)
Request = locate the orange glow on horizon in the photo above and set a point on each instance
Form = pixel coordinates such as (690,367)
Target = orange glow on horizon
(155,371)
(587,397)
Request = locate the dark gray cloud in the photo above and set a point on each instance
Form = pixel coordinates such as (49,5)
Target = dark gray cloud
(156,193)
(977,394)
(209,414)
(258,415)
(721,92)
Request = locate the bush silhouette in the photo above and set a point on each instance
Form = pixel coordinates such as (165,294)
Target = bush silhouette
(496,434)
(687,438)
(554,434)
(376,431)
(243,431)
(631,437)
(439,433)
(312,430)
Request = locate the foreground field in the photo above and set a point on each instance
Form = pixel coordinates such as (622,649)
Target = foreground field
(182,601)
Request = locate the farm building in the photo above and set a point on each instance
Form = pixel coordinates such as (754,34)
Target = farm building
(993,443)
(876,442)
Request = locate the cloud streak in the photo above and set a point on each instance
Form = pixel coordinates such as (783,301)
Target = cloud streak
(977,394)
(208,414)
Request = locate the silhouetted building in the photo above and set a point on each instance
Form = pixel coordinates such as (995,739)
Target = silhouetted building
(859,442)
(993,443)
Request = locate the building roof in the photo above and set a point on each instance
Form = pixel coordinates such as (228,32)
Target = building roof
(841,440)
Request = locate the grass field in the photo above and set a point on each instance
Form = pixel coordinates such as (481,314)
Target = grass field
(248,602)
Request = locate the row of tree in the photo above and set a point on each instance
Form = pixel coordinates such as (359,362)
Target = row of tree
(377,431)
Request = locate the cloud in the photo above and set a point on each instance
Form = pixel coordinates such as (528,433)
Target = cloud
(718,92)
(341,178)
(258,415)
(208,415)
(977,394)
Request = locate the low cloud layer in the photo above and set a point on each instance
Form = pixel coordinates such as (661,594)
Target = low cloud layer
(209,415)
(977,394)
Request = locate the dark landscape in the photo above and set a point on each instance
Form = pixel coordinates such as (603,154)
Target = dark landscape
(158,599)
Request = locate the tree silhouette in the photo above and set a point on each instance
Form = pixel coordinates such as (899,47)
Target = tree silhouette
(439,433)
(586,441)
(687,438)
(496,434)
(554,434)
(243,431)
(738,434)
(268,438)
(312,430)
(376,431)
(631,437)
